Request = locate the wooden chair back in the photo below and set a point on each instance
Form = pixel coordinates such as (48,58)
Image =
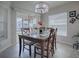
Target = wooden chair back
(50,40)
(51,31)
(25,30)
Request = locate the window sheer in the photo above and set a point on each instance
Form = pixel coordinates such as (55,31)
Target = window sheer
(59,21)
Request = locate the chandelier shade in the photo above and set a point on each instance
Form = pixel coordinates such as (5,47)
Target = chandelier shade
(41,8)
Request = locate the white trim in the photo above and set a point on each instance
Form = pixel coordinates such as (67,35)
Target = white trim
(1,50)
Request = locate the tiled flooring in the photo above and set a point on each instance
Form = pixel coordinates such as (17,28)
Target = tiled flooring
(62,51)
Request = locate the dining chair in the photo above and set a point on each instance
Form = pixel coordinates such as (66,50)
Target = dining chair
(52,30)
(54,41)
(26,31)
(47,46)
(76,45)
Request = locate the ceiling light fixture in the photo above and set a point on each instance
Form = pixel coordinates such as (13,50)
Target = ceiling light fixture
(41,8)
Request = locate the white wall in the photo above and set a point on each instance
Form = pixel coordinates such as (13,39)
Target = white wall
(71,28)
(7,42)
(13,27)
(11,40)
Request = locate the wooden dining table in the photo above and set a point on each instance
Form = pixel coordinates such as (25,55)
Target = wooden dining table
(34,38)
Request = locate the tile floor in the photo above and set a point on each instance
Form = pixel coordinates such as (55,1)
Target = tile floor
(62,51)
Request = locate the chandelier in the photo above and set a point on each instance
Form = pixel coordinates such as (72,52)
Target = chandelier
(41,8)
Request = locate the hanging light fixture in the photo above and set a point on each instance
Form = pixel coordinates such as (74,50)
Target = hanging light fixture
(41,8)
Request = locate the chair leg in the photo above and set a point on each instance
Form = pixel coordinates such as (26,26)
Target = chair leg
(55,43)
(52,50)
(52,53)
(34,52)
(47,54)
(53,46)
(73,45)
(23,45)
(78,46)
(30,50)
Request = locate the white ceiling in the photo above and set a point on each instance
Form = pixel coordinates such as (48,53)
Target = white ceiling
(29,5)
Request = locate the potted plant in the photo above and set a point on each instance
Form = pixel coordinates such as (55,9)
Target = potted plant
(77,43)
(76,35)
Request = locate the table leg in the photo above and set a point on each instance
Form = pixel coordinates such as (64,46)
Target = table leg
(30,50)
(20,46)
(42,49)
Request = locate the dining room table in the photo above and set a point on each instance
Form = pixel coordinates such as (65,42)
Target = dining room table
(36,38)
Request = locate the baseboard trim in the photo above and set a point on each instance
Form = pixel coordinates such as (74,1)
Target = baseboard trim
(4,48)
(65,43)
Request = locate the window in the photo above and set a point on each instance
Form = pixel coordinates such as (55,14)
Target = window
(59,21)
(19,22)
(33,23)
(26,23)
